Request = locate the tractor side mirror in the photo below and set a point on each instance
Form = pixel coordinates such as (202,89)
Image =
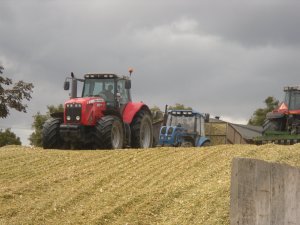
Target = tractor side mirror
(66,85)
(127,84)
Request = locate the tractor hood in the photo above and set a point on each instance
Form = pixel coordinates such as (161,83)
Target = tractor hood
(85,100)
(169,130)
(168,135)
(84,111)
(274,115)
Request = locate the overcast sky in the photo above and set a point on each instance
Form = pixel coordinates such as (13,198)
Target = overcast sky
(219,57)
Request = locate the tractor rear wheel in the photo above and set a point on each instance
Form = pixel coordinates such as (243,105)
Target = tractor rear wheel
(110,133)
(142,130)
(51,136)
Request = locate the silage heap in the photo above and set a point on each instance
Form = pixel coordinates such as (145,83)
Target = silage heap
(155,186)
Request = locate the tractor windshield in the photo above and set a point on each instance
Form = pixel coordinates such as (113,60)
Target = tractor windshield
(292,99)
(104,88)
(187,122)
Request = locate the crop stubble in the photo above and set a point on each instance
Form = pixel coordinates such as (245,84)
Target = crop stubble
(155,186)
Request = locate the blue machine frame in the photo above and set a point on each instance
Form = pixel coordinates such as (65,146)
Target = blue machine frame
(187,128)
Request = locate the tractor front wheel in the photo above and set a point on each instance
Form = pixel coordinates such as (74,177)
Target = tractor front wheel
(206,144)
(109,133)
(142,130)
(187,144)
(51,136)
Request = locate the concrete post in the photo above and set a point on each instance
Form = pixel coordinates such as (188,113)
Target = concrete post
(264,193)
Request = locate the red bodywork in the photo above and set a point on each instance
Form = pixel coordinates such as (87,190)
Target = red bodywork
(130,110)
(92,109)
(283,109)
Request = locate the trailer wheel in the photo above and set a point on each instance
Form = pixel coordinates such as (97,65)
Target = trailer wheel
(142,130)
(51,137)
(109,133)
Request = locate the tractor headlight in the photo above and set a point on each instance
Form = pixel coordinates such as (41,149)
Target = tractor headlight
(77,117)
(169,138)
(170,130)
(68,118)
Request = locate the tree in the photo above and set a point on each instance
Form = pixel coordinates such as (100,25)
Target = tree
(39,120)
(8,138)
(157,114)
(259,115)
(179,106)
(13,95)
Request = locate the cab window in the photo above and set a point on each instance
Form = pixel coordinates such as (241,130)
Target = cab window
(123,92)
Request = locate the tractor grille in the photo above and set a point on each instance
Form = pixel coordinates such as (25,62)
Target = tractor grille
(73,113)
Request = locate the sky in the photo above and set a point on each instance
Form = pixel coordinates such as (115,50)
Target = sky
(218,57)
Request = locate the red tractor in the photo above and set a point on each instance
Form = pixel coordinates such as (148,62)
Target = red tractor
(286,118)
(104,117)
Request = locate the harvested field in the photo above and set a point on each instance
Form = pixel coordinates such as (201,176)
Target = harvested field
(155,186)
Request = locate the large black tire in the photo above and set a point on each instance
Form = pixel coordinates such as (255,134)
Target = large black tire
(51,135)
(109,133)
(142,130)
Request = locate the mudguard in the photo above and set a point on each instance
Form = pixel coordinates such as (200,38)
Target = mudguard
(274,115)
(201,141)
(131,109)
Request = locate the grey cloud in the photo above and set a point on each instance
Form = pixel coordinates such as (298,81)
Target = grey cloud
(221,57)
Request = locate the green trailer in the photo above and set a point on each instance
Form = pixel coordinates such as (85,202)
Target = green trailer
(277,137)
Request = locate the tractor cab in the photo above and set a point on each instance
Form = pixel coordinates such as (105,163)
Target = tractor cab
(292,98)
(184,128)
(113,89)
(101,94)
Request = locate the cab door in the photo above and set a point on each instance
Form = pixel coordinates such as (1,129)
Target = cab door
(122,94)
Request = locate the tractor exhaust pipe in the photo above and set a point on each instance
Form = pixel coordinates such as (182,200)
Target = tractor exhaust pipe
(74,86)
(165,116)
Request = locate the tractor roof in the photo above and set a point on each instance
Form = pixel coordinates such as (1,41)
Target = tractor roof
(104,76)
(177,112)
(292,88)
